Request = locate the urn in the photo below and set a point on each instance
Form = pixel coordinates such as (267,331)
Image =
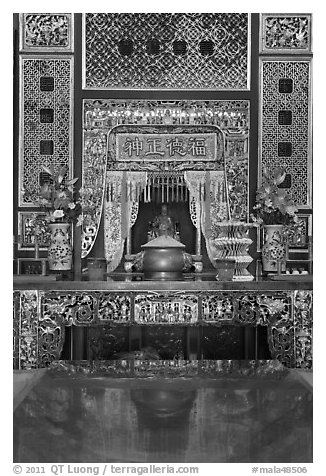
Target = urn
(163,259)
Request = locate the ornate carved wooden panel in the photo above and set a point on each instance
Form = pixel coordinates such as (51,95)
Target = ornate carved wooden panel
(46,32)
(166,50)
(29,224)
(285,139)
(285,33)
(40,319)
(45,120)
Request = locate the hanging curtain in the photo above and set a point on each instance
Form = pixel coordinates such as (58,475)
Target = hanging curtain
(195,181)
(217,208)
(123,190)
(207,203)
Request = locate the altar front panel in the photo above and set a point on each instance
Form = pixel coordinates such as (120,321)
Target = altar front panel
(40,317)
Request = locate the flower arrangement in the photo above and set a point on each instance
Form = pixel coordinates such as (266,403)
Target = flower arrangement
(57,196)
(273,205)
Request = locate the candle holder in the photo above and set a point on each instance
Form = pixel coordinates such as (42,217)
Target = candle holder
(96,269)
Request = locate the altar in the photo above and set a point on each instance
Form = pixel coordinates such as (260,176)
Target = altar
(171,141)
(162,238)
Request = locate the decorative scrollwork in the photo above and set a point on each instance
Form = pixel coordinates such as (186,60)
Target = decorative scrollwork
(51,337)
(248,310)
(180,51)
(70,309)
(277,310)
(94,166)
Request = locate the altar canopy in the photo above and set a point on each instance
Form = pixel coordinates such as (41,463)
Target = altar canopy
(173,163)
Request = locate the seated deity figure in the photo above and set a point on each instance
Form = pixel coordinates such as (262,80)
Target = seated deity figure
(163,225)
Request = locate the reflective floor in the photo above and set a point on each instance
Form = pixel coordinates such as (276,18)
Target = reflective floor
(72,418)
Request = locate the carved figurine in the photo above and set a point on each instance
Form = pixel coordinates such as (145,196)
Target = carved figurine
(163,225)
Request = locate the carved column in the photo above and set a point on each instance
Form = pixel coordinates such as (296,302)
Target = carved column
(16,325)
(27,331)
(303,328)
(276,310)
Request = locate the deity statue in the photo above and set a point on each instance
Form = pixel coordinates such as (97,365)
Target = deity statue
(163,225)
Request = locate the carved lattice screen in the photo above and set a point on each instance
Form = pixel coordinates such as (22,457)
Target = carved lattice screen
(166,50)
(45,120)
(285,124)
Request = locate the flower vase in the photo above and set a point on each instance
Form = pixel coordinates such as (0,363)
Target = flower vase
(273,250)
(60,249)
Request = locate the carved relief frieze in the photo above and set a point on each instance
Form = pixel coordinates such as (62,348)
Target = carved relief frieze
(46,32)
(273,310)
(70,309)
(40,318)
(218,308)
(166,308)
(86,308)
(285,33)
(114,307)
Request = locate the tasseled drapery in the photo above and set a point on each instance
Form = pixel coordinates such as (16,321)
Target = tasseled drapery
(207,203)
(165,187)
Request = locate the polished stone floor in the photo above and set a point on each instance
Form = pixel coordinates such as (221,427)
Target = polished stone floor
(69,417)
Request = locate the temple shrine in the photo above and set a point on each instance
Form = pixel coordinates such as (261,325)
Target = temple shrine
(153,152)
